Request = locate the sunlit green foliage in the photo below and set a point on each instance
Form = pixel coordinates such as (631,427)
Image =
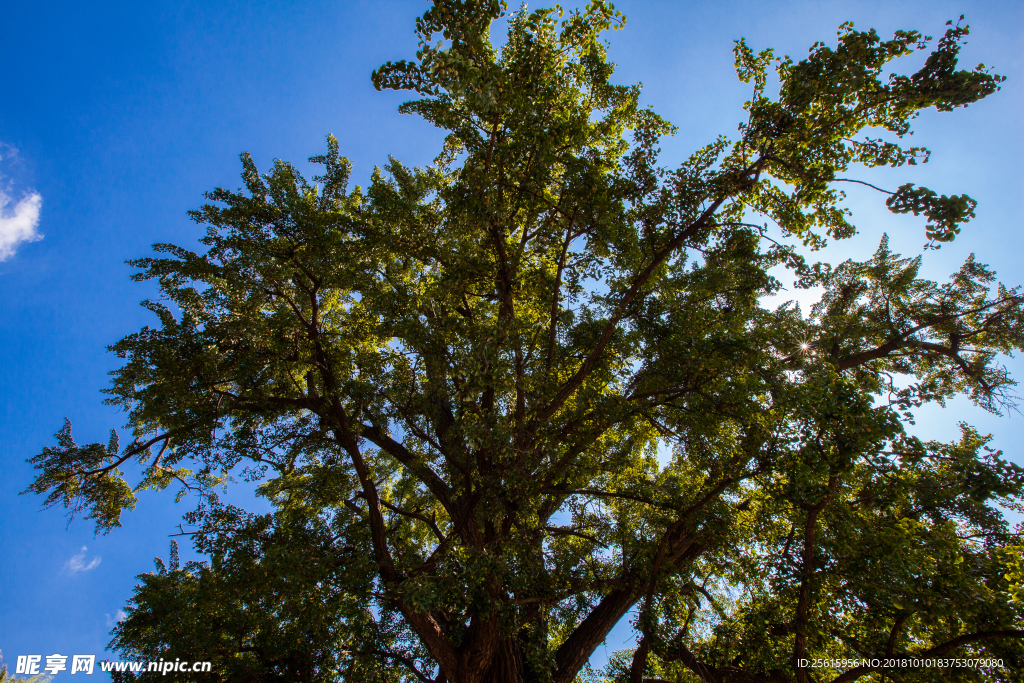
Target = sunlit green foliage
(504,402)
(6,677)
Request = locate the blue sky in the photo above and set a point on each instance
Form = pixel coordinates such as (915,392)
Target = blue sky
(115,117)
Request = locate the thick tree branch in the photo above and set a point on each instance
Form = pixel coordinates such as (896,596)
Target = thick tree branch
(804,599)
(130,453)
(430,479)
(904,339)
(424,624)
(591,632)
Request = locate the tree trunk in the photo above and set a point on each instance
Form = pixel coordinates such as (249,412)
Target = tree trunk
(507,665)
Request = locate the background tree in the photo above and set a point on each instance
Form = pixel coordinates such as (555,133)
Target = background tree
(504,401)
(8,678)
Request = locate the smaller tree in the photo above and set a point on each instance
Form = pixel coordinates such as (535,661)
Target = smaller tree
(8,678)
(268,606)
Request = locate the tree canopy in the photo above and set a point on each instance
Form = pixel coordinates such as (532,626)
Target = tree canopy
(506,401)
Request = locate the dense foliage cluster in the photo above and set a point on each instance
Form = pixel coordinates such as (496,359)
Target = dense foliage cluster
(502,403)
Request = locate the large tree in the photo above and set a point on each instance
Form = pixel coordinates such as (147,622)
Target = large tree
(504,402)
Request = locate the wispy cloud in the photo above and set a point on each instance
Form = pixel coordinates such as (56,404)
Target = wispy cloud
(117,618)
(19,219)
(77,562)
(19,224)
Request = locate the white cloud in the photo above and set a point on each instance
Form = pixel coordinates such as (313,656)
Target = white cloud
(77,562)
(119,617)
(18,219)
(19,224)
